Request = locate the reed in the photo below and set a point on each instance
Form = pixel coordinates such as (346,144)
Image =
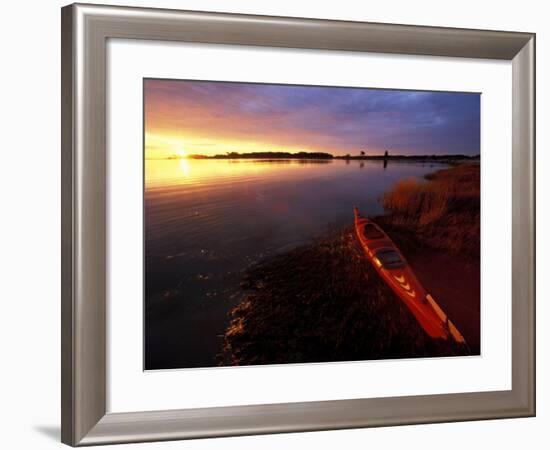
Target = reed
(442,211)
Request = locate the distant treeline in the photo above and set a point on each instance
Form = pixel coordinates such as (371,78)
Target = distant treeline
(321,155)
(410,157)
(267,155)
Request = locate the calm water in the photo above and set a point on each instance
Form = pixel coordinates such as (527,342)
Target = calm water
(206,221)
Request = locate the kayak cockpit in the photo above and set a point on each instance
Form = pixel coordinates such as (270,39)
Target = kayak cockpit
(388,258)
(372,232)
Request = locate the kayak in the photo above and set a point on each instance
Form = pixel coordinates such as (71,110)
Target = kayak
(393,268)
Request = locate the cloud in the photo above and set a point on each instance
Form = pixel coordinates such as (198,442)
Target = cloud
(335,119)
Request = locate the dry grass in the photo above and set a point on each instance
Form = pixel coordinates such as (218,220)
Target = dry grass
(443,211)
(323,302)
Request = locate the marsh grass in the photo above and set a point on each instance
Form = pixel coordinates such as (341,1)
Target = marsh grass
(319,303)
(442,211)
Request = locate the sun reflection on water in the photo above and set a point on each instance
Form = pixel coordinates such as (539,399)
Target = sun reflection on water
(184,167)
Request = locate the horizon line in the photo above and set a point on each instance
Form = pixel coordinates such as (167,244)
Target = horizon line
(319,155)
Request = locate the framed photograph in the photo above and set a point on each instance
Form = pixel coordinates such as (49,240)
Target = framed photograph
(280,224)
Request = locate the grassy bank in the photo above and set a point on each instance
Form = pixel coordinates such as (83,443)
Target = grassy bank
(325,302)
(442,212)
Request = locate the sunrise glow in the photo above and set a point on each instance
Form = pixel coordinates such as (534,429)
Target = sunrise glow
(184,118)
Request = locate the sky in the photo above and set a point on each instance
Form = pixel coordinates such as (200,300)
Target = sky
(208,118)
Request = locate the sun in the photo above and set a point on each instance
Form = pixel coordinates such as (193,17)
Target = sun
(181,152)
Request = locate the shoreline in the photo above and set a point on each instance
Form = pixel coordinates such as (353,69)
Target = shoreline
(324,301)
(445,159)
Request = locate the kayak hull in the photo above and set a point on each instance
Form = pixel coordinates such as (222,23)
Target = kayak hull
(393,268)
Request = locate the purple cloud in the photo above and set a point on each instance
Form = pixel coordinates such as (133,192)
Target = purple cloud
(336,119)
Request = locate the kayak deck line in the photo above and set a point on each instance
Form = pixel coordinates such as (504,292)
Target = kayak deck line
(394,269)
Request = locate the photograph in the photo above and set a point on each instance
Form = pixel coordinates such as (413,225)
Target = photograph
(290,224)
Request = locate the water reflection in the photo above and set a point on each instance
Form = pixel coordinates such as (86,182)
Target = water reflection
(184,167)
(206,220)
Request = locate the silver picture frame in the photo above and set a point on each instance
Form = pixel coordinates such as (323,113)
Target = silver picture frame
(85,32)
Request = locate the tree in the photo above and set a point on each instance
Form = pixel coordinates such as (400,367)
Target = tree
(386,154)
(362,153)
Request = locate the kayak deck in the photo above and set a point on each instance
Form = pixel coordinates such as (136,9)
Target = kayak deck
(393,268)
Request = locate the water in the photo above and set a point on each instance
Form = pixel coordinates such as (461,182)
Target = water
(207,220)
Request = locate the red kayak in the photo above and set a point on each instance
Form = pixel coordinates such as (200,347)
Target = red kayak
(398,275)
